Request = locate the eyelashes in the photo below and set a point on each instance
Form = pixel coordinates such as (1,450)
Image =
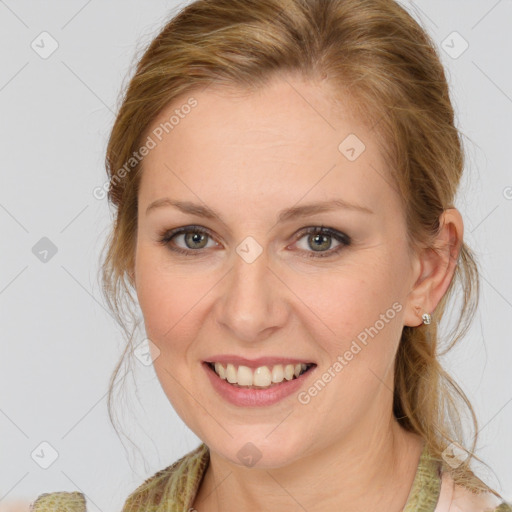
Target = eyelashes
(316,235)
(168,236)
(320,233)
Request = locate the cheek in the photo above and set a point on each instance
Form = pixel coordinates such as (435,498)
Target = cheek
(352,297)
(170,298)
(360,306)
(167,300)
(158,295)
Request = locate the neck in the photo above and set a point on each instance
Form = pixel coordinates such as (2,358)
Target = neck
(373,469)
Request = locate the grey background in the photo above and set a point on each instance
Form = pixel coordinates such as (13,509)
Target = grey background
(59,343)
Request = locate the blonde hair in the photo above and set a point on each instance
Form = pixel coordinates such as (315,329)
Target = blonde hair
(371,51)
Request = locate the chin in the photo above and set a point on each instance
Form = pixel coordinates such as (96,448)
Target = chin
(256,448)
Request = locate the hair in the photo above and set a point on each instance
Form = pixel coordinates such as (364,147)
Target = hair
(376,54)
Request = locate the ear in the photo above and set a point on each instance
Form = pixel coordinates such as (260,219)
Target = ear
(434,268)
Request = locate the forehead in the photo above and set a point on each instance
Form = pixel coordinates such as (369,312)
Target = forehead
(277,144)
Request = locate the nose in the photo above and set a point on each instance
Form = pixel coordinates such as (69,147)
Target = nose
(252,304)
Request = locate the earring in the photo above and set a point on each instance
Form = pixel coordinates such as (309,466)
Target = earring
(426,318)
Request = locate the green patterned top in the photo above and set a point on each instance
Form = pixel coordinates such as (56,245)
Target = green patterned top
(174,489)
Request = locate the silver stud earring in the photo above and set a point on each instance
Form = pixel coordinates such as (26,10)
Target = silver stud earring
(426,318)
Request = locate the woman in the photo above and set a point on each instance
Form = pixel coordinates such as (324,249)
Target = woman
(284,174)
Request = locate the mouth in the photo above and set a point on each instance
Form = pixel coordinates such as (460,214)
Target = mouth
(262,377)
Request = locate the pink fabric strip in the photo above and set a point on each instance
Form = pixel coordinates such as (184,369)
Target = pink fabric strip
(445,494)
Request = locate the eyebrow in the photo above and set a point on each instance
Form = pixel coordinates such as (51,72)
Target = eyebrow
(284,215)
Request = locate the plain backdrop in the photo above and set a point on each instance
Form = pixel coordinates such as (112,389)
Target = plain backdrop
(59,343)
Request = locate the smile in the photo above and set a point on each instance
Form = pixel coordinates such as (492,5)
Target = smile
(260,377)
(259,382)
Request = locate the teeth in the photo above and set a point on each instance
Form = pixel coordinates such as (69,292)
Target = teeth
(277,373)
(244,376)
(289,369)
(262,377)
(230,374)
(220,370)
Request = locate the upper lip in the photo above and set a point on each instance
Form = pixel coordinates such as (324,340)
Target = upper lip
(255,363)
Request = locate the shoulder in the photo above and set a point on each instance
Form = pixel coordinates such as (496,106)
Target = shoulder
(457,498)
(176,484)
(65,501)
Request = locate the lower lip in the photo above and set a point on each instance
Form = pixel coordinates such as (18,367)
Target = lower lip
(246,397)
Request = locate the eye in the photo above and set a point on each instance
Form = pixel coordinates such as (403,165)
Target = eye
(320,237)
(194,238)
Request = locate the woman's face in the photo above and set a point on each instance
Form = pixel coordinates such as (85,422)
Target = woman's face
(253,288)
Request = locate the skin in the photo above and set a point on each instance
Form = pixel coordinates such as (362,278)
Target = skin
(248,156)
